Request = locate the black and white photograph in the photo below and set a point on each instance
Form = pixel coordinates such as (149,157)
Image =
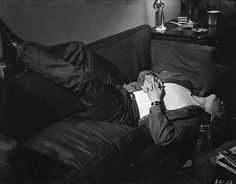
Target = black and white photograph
(117,91)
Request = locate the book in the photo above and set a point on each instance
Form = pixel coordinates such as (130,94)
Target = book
(182,19)
(227,159)
(230,156)
(143,103)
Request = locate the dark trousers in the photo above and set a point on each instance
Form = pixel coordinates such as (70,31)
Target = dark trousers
(73,66)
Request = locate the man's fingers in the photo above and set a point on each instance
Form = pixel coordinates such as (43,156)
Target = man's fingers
(146,86)
(161,85)
(152,80)
(144,89)
(149,86)
(156,84)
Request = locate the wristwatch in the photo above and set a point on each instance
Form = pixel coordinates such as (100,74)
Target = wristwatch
(155,103)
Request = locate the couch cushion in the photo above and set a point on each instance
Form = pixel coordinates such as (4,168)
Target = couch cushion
(192,60)
(2,105)
(87,146)
(31,103)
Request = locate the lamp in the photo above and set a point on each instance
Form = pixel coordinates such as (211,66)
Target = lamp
(158,6)
(190,12)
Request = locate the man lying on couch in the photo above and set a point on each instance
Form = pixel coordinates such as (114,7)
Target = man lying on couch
(175,114)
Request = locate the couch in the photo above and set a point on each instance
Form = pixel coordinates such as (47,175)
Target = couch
(49,135)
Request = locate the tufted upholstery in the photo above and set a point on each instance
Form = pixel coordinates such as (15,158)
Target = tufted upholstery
(87,146)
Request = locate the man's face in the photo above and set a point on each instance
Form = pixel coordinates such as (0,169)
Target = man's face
(214,105)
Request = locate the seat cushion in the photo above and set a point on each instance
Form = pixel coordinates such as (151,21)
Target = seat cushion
(88,146)
(30,98)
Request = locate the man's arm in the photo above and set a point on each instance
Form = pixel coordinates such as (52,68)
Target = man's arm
(163,132)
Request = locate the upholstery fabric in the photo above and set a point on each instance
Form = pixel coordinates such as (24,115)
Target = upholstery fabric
(8,149)
(25,114)
(193,61)
(48,119)
(32,98)
(128,51)
(89,146)
(2,105)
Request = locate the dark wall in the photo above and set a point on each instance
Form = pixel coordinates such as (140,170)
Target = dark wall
(53,21)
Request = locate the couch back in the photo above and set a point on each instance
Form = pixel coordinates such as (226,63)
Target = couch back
(128,51)
(33,102)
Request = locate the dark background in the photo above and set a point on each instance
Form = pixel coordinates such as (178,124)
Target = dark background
(55,21)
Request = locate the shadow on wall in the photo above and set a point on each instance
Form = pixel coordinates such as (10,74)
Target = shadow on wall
(55,21)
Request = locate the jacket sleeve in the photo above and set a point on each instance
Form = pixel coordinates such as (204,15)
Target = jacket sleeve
(162,130)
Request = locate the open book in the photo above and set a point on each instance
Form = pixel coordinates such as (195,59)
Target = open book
(227,159)
(143,102)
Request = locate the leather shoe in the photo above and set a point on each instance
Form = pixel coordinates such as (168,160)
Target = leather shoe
(9,43)
(11,39)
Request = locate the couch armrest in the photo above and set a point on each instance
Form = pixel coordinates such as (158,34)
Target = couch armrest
(8,148)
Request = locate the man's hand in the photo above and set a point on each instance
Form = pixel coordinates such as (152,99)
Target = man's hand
(153,87)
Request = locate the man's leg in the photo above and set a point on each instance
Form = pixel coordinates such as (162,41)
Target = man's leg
(77,54)
(104,101)
(101,98)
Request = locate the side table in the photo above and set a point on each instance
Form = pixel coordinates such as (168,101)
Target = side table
(176,33)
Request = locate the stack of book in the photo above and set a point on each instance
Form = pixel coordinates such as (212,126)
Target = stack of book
(182,19)
(227,159)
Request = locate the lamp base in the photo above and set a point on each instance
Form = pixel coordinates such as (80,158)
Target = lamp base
(161,28)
